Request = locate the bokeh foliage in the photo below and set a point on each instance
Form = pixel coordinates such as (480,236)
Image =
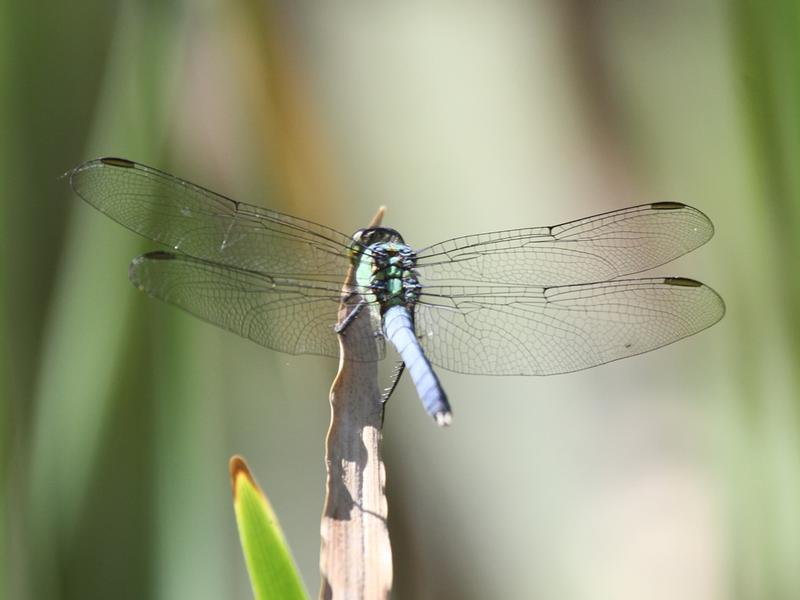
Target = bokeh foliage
(119,415)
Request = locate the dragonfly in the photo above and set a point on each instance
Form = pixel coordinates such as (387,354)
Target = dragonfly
(531,301)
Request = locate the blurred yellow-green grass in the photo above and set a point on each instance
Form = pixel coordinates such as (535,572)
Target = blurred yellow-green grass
(670,475)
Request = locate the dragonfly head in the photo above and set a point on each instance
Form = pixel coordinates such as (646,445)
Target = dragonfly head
(364,238)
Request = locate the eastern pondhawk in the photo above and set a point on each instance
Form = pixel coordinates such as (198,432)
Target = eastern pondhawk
(533,301)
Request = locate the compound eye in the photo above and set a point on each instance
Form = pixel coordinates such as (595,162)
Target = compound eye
(361,237)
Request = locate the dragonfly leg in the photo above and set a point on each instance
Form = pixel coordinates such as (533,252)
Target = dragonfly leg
(398,372)
(340,327)
(387,393)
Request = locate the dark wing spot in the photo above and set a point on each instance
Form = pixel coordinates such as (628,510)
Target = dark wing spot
(682,281)
(118,162)
(158,255)
(667,205)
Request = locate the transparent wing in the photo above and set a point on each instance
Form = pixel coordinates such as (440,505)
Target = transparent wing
(198,222)
(490,330)
(288,315)
(597,248)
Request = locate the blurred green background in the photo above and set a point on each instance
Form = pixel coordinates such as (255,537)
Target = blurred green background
(674,474)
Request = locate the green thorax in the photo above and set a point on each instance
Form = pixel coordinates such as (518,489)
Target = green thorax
(385,267)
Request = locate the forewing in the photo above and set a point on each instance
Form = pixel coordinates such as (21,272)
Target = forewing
(197,222)
(490,330)
(288,315)
(597,248)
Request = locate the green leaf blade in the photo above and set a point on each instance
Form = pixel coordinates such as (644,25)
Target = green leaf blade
(273,573)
